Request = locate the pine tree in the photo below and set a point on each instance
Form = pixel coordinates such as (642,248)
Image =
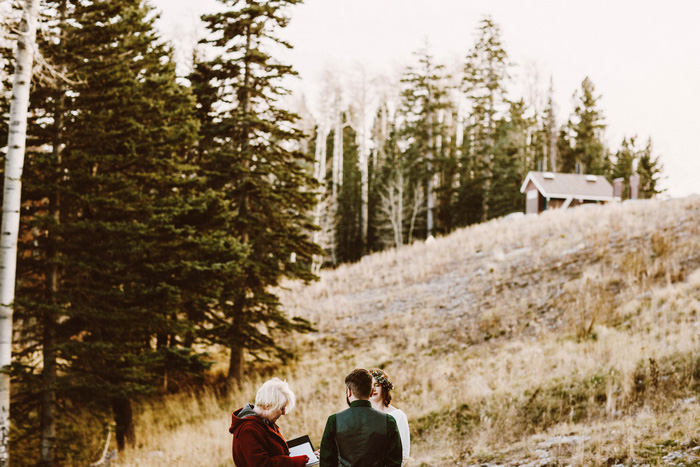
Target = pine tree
(510,162)
(588,125)
(448,157)
(567,161)
(549,132)
(349,245)
(125,220)
(253,167)
(649,168)
(624,164)
(390,190)
(380,134)
(423,101)
(485,76)
(469,201)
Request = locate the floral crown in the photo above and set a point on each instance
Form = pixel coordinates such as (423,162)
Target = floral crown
(383,380)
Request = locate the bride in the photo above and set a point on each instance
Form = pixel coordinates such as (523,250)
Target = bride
(381,400)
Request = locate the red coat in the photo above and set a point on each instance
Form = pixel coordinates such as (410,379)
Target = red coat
(257,444)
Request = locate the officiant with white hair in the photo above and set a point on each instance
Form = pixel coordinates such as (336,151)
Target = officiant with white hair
(257,440)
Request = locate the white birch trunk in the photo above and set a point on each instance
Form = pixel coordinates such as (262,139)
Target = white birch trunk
(363,156)
(337,179)
(319,174)
(338,154)
(392,207)
(430,201)
(417,204)
(11,206)
(364,180)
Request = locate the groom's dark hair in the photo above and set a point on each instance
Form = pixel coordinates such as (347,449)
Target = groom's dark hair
(360,383)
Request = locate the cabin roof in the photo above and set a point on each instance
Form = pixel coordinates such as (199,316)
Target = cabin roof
(564,185)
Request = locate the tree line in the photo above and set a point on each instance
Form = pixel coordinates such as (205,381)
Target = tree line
(159,210)
(451,148)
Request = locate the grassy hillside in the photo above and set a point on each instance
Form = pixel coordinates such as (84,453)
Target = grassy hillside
(566,338)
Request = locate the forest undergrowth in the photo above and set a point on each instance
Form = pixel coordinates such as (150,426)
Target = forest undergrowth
(568,338)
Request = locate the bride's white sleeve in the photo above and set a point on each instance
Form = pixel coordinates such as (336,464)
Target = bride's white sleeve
(402,423)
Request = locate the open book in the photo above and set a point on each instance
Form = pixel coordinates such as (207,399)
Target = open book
(302,446)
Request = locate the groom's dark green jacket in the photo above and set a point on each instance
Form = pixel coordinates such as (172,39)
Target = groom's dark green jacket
(361,437)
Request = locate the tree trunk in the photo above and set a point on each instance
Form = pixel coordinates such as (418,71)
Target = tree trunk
(322,132)
(48,395)
(363,159)
(124,420)
(235,367)
(236,364)
(49,372)
(236,360)
(430,202)
(552,137)
(337,169)
(11,206)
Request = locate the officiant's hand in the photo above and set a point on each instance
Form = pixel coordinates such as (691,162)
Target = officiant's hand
(300,461)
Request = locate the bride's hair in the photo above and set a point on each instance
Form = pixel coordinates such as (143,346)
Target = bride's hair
(383,379)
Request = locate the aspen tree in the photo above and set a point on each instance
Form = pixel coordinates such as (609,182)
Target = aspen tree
(12,191)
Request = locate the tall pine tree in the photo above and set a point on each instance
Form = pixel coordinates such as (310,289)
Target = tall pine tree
(649,168)
(587,126)
(423,101)
(349,246)
(485,77)
(624,164)
(510,162)
(251,163)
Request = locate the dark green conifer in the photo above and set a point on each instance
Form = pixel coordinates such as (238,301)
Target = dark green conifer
(253,166)
(649,168)
(448,170)
(485,75)
(126,192)
(348,236)
(510,162)
(389,185)
(468,205)
(587,126)
(423,99)
(624,164)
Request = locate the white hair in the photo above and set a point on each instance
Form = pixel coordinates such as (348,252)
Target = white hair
(275,394)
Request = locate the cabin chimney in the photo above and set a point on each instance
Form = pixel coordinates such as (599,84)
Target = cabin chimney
(618,186)
(634,186)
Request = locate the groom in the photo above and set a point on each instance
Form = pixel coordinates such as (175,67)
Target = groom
(360,436)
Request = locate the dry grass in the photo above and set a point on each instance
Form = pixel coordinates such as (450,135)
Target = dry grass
(498,337)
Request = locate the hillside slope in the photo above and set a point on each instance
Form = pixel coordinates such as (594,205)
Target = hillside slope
(565,338)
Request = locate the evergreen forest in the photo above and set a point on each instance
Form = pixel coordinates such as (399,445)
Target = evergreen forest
(160,210)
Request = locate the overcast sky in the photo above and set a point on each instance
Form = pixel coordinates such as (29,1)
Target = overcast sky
(643,56)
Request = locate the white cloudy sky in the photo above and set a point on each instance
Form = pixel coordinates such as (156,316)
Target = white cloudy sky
(642,55)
